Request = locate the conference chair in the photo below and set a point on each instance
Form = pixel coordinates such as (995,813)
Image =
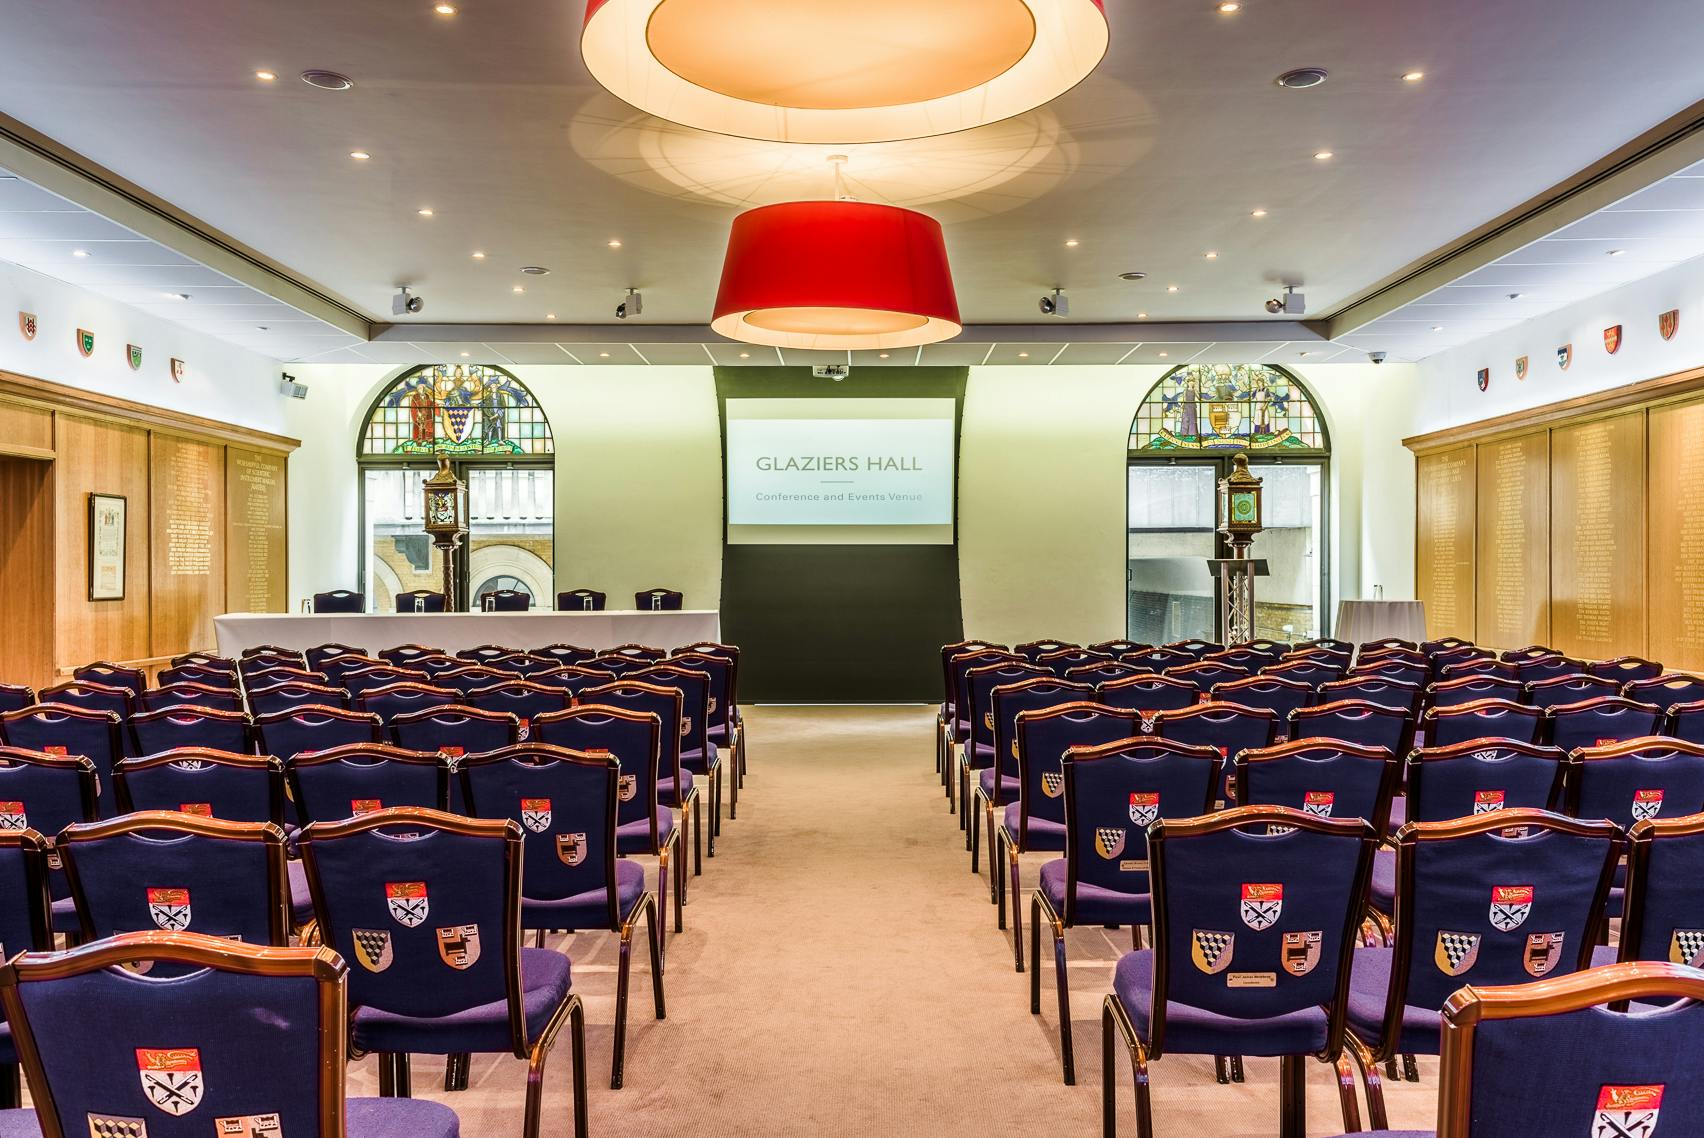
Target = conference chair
(954,722)
(1100,671)
(435,664)
(674,782)
(1575,688)
(16,697)
(249,1035)
(1666,690)
(573,678)
(1112,794)
(523,699)
(948,678)
(420,600)
(172,727)
(1256,912)
(1274,648)
(363,778)
(1195,647)
(91,695)
(668,600)
(1373,687)
(393,700)
(1446,657)
(978,753)
(47,793)
(1595,722)
(1204,675)
(429,904)
(505,600)
(1530,652)
(340,600)
(1481,666)
(1036,821)
(1686,721)
(1275,694)
(1158,659)
(1332,656)
(205,782)
(221,678)
(698,755)
(1147,695)
(469,678)
(479,654)
(580,600)
(54,729)
(317,656)
(1390,642)
(286,696)
(1062,660)
(1327,778)
(272,676)
(263,662)
(997,785)
(1369,656)
(1116,648)
(254,650)
(26,925)
(132,680)
(454,730)
(203,659)
(335,668)
(521,664)
(644,652)
(572,877)
(619,664)
(644,826)
(1033,650)
(1329,643)
(1228,728)
(1355,721)
(1631,781)
(1482,776)
(1497,899)
(723,729)
(1466,689)
(1247,660)
(565,653)
(1481,719)
(409,655)
(313,727)
(187,693)
(1312,672)
(179,873)
(359,681)
(1549,668)
(1625,669)
(1665,862)
(1403,671)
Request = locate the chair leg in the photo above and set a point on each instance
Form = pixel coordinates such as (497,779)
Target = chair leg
(1346,1102)
(1067,1056)
(734,787)
(680,870)
(393,1075)
(1221,1070)
(538,938)
(1017,906)
(456,1068)
(697,837)
(715,807)
(1236,1069)
(964,800)
(1035,953)
(1410,1069)
(1111,1019)
(654,933)
(11,1088)
(540,1051)
(1292,1097)
(975,843)
(1363,1057)
(995,855)
(623,967)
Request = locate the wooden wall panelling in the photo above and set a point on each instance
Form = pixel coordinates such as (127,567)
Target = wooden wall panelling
(108,458)
(187,490)
(1512,598)
(26,571)
(256,550)
(1445,500)
(1597,537)
(26,431)
(1675,565)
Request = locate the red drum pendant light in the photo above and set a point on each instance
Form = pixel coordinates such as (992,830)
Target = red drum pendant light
(836,276)
(840,71)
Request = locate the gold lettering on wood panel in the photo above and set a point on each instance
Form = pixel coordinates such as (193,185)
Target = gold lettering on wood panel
(1508,535)
(1446,483)
(255,505)
(1594,534)
(189,513)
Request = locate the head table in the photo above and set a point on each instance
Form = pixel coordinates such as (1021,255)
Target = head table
(456,631)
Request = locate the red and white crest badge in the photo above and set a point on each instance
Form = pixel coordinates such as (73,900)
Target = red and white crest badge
(1261,905)
(360,806)
(1109,841)
(1488,801)
(199,809)
(1211,951)
(13,817)
(1686,946)
(1612,339)
(407,902)
(535,814)
(1482,378)
(571,848)
(1455,953)
(171,1077)
(458,946)
(1301,952)
(1669,323)
(27,325)
(1511,905)
(169,908)
(1627,1112)
(1543,953)
(1647,804)
(1319,803)
(1144,808)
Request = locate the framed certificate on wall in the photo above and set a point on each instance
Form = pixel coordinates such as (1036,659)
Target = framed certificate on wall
(106,547)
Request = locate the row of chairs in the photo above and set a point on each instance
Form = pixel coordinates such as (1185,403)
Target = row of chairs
(498,600)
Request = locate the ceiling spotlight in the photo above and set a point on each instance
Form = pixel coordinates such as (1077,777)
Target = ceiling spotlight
(359,155)
(1302,78)
(1322,156)
(745,355)
(478,256)
(1163,355)
(1171,288)
(1072,243)
(603,355)
(406,303)
(1615,252)
(1023,355)
(1302,355)
(1141,316)
(266,76)
(550,316)
(1437,327)
(327,80)
(1413,76)
(1516,295)
(79,252)
(1257,213)
(518,288)
(1292,303)
(175,295)
(425,211)
(615,243)
(444,9)
(1133,275)
(634,305)
(1229,8)
(1055,303)
(884,355)
(466,354)
(1210,255)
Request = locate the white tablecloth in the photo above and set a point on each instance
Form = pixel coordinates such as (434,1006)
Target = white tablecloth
(1361,621)
(455,631)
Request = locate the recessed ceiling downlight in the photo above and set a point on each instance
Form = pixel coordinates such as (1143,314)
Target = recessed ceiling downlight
(327,80)
(535,270)
(1133,275)
(825,71)
(1302,78)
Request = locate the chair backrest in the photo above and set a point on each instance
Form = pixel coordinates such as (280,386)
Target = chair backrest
(960,648)
(1324,777)
(336,666)
(1504,898)
(1043,738)
(979,686)
(179,873)
(1466,689)
(522,664)
(1625,669)
(420,600)
(339,600)
(1062,660)
(1405,670)
(618,664)
(45,793)
(1202,676)
(132,680)
(696,694)
(1034,693)
(364,778)
(1113,793)
(26,919)
(314,727)
(523,699)
(658,599)
(480,653)
(565,653)
(1374,687)
(406,655)
(1389,642)
(1481,666)
(574,678)
(1482,719)
(1228,728)
(1100,671)
(1147,695)
(1482,776)
(581,600)
(469,678)
(455,729)
(721,671)
(91,696)
(425,889)
(239,1028)
(1534,668)
(1666,690)
(1196,647)
(1630,781)
(58,730)
(204,659)
(1572,688)
(666,704)
(1310,672)
(1274,693)
(1033,650)
(957,662)
(1389,655)
(220,678)
(283,697)
(210,783)
(1116,648)
(1530,652)
(266,676)
(359,681)
(393,700)
(1447,656)
(1328,656)
(187,693)
(15,697)
(505,600)
(1256,912)
(1660,917)
(1330,643)
(1355,721)
(317,656)
(1598,722)
(172,727)
(279,650)
(630,736)
(565,802)
(1158,659)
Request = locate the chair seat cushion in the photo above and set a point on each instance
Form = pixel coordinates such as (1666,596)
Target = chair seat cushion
(1096,904)
(717,733)
(1195,1031)
(393,1118)
(1604,954)
(1044,834)
(1369,984)
(1398,812)
(301,897)
(586,910)
(1008,785)
(635,837)
(698,762)
(977,756)
(1382,891)
(22,1123)
(544,984)
(65,916)
(666,787)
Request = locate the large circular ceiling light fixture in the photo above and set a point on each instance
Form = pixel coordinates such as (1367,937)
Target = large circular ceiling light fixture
(836,276)
(841,71)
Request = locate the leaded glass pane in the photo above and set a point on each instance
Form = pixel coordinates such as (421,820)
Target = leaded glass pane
(1227,407)
(458,410)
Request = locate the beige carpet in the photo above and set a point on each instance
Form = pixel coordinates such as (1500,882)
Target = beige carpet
(841,974)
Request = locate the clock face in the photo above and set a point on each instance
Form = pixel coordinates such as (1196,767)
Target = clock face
(1242,508)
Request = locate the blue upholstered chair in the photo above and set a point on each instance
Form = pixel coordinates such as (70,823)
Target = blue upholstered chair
(1492,718)
(1530,652)
(954,721)
(644,826)
(55,729)
(1062,660)
(1205,674)
(1374,687)
(1371,656)
(409,655)
(222,677)
(317,656)
(523,699)
(301,659)
(1116,648)
(574,678)
(1312,672)
(26,925)
(189,693)
(1324,777)
(1481,666)
(505,600)
(1036,821)
(1535,668)
(420,600)
(1389,642)
(1033,650)
(1147,695)
(565,802)
(565,653)
(172,727)
(313,727)
(1665,863)
(1112,794)
(675,787)
(363,778)
(1466,689)
(581,600)
(1099,672)
(132,680)
(1571,688)
(1625,669)
(1228,728)
(1332,657)
(699,757)
(1196,647)
(455,730)
(646,652)
(658,599)
(1158,659)
(207,659)
(334,664)
(1405,671)
(1481,776)
(47,793)
(1329,643)
(205,782)
(395,700)
(179,872)
(1256,912)
(1275,694)
(1504,898)
(16,697)
(998,784)
(1355,721)
(520,665)
(266,676)
(1599,721)
(249,1035)
(1666,690)
(360,681)
(437,664)
(976,753)
(469,678)
(1685,721)
(619,664)
(1250,660)
(1631,781)
(1444,657)
(289,696)
(428,906)
(92,695)
(339,600)
(724,728)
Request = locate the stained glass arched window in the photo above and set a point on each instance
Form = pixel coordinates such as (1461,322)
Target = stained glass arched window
(1228,407)
(461,410)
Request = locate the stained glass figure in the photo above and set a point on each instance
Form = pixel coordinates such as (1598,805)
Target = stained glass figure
(1227,407)
(459,410)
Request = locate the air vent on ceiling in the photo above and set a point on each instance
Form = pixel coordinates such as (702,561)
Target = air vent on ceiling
(1302,78)
(327,80)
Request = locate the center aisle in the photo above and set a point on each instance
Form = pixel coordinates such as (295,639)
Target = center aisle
(841,973)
